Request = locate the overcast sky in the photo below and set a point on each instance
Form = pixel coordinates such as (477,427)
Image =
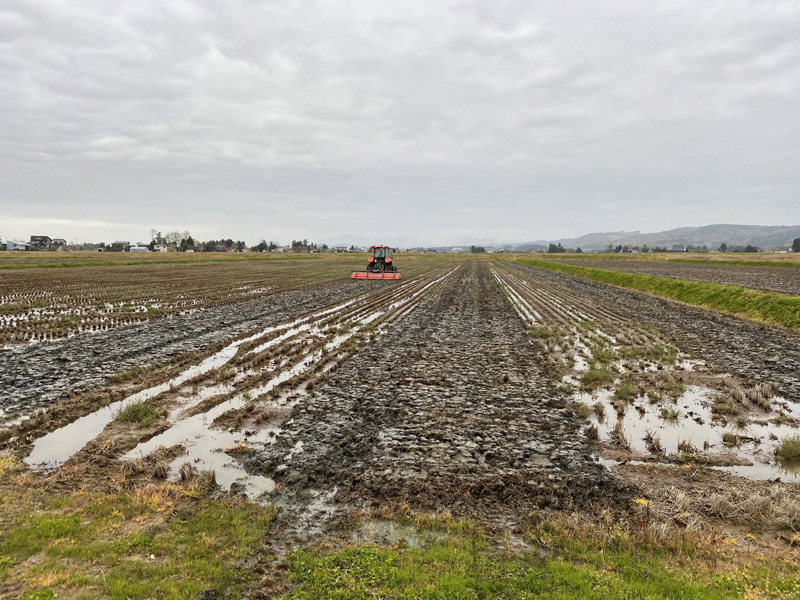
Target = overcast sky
(405,122)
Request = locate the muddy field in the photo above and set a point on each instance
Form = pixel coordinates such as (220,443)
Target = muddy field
(38,304)
(483,389)
(771,278)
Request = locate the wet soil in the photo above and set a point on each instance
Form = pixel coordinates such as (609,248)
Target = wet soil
(783,280)
(433,393)
(37,376)
(753,352)
(452,408)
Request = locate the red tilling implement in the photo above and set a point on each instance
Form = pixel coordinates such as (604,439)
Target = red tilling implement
(379,265)
(368,275)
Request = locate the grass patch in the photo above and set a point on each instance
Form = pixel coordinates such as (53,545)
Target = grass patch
(595,378)
(761,306)
(157,542)
(143,414)
(625,390)
(126,375)
(603,354)
(542,332)
(661,353)
(670,413)
(608,564)
(581,410)
(725,406)
(789,448)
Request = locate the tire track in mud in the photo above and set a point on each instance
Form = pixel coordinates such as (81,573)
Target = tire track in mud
(452,410)
(268,371)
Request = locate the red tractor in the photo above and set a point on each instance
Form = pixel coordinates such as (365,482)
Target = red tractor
(379,265)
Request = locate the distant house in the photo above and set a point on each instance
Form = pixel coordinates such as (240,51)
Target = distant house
(58,242)
(17,246)
(41,242)
(172,248)
(159,248)
(121,246)
(677,248)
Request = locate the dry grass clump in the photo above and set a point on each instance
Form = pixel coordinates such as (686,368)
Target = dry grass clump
(776,506)
(581,410)
(653,442)
(731,439)
(619,438)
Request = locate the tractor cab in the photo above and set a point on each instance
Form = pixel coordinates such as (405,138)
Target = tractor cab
(380,259)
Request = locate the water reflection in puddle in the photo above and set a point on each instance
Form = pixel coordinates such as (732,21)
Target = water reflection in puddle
(693,429)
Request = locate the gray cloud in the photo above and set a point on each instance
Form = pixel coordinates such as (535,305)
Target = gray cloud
(417,122)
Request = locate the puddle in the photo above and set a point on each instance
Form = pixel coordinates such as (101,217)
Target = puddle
(203,441)
(55,448)
(645,429)
(204,449)
(757,440)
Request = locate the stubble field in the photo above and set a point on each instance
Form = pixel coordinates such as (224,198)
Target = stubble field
(480,428)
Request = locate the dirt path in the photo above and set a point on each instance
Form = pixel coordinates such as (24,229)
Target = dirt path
(451,408)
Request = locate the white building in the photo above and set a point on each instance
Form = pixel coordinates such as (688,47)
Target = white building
(139,249)
(17,246)
(160,248)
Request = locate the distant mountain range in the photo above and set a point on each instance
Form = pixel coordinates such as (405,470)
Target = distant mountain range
(766,237)
(762,236)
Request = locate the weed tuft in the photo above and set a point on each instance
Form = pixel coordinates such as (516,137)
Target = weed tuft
(143,414)
(789,448)
(595,378)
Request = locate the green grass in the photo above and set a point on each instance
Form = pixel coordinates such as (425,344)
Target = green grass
(625,390)
(670,413)
(543,332)
(789,448)
(595,378)
(766,260)
(159,542)
(561,565)
(761,306)
(603,354)
(143,414)
(660,353)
